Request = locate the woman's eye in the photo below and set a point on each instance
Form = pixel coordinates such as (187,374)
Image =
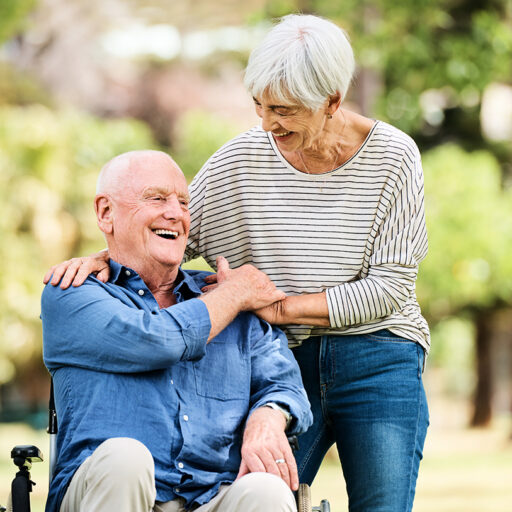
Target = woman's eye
(284,112)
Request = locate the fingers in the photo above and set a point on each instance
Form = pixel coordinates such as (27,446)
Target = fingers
(48,275)
(84,270)
(70,273)
(211,279)
(285,474)
(56,273)
(209,288)
(291,466)
(244,470)
(277,464)
(222,265)
(102,276)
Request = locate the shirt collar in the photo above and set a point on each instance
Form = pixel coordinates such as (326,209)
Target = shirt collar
(184,284)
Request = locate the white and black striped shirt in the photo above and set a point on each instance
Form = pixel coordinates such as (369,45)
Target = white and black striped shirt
(357,232)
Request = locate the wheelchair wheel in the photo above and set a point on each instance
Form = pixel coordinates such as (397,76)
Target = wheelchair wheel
(304,498)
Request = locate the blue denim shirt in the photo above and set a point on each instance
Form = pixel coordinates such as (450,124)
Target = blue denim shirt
(123,367)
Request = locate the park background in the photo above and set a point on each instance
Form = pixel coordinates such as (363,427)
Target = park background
(83,80)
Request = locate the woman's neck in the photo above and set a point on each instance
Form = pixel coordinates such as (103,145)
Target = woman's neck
(340,140)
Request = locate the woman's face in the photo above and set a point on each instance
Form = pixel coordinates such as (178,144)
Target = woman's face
(293,126)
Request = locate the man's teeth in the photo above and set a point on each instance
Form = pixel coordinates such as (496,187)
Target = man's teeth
(165,233)
(282,134)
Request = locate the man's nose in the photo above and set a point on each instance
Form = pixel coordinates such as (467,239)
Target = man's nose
(173,208)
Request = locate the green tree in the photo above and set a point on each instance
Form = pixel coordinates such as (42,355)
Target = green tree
(49,162)
(13,15)
(468,272)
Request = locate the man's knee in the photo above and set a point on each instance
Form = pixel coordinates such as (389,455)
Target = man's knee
(264,492)
(125,459)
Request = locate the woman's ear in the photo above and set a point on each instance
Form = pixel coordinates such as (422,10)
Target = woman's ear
(333,103)
(104,213)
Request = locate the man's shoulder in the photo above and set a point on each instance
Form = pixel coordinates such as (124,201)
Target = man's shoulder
(91,284)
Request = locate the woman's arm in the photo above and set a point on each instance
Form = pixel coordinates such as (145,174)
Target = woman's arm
(307,309)
(75,271)
(398,247)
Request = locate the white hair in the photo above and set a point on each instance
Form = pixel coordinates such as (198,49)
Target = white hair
(304,58)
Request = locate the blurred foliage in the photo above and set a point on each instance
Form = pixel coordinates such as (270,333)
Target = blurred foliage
(431,60)
(17,88)
(200,134)
(13,15)
(453,350)
(454,47)
(469,219)
(49,161)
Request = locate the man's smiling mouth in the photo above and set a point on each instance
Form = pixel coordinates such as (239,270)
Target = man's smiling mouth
(167,234)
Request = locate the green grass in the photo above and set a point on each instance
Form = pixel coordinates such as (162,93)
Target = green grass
(12,434)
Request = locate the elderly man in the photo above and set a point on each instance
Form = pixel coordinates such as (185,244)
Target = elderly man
(168,399)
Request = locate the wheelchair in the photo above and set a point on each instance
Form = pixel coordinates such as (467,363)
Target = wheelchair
(25,455)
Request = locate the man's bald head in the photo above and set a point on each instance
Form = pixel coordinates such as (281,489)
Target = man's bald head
(114,173)
(142,208)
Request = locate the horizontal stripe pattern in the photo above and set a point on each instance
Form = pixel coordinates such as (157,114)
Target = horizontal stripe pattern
(357,232)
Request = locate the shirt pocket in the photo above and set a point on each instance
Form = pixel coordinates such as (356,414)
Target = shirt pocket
(223,373)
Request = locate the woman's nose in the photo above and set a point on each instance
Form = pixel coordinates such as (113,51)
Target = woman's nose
(268,121)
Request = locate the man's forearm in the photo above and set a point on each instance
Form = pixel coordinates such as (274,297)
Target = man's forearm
(223,306)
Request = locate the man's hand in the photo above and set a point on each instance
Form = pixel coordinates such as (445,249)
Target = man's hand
(250,286)
(265,447)
(240,289)
(75,271)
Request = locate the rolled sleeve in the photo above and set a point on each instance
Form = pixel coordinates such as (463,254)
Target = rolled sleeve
(276,376)
(193,318)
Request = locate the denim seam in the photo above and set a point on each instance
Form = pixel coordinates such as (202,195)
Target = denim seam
(409,505)
(312,449)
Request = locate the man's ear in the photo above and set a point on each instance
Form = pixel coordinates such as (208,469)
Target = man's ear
(104,213)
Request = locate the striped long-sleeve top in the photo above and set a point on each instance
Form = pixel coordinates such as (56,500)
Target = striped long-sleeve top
(356,233)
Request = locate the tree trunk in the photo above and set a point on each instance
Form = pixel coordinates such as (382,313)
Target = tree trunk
(482,410)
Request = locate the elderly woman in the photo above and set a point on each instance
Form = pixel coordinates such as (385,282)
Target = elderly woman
(330,205)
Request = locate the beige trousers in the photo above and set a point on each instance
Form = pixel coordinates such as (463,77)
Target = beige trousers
(119,477)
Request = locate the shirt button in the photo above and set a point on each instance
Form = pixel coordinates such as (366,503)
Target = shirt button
(172,382)
(180,465)
(141,292)
(177,489)
(127,272)
(185,417)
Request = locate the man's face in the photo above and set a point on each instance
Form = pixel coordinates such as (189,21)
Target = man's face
(151,221)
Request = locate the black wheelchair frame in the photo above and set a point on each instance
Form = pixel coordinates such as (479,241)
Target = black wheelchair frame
(25,455)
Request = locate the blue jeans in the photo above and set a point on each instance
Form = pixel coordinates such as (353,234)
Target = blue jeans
(367,396)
